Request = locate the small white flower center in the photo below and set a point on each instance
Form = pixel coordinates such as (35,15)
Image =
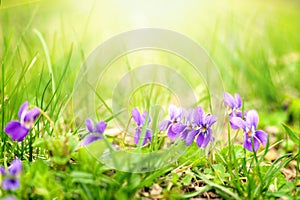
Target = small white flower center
(204,130)
(28,124)
(250,131)
(234,110)
(189,126)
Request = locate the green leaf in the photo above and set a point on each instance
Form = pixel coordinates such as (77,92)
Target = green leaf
(82,177)
(220,172)
(79,174)
(291,133)
(175,178)
(219,168)
(219,188)
(193,194)
(187,179)
(40,142)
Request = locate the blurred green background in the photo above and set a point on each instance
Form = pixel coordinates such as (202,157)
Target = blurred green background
(43,44)
(255,45)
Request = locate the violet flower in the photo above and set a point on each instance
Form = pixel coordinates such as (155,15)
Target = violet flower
(96,132)
(140,121)
(10,197)
(19,129)
(174,126)
(251,134)
(234,104)
(11,181)
(203,130)
(190,124)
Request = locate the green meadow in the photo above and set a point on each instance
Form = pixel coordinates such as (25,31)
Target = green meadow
(44,47)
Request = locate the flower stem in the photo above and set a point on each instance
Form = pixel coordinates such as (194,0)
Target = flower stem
(3,149)
(22,150)
(50,121)
(30,146)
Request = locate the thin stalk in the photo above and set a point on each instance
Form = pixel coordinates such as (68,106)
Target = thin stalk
(143,132)
(3,108)
(257,168)
(297,166)
(235,180)
(46,51)
(22,150)
(50,121)
(30,146)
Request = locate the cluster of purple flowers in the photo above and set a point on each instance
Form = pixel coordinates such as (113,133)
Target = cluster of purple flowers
(96,132)
(189,124)
(11,180)
(247,121)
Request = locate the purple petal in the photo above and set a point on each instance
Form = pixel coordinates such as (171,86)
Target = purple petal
(10,184)
(89,125)
(172,111)
(31,114)
(23,108)
(204,138)
(229,100)
(207,138)
(211,119)
(256,144)
(199,116)
(2,170)
(189,114)
(137,135)
(15,167)
(144,116)
(236,114)
(238,122)
(178,127)
(234,127)
(238,100)
(262,136)
(245,115)
(164,125)
(100,127)
(16,130)
(190,137)
(136,116)
(9,198)
(185,133)
(11,126)
(252,118)
(91,138)
(248,143)
(148,135)
(200,140)
(171,134)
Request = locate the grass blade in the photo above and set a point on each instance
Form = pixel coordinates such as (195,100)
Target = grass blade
(47,55)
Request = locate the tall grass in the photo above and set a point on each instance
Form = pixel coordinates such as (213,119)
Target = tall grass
(43,47)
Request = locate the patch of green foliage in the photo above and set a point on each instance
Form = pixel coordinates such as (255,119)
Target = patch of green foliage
(256,48)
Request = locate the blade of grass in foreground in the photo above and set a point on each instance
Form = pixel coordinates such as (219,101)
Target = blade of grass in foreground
(5,4)
(232,164)
(3,108)
(223,191)
(295,139)
(47,55)
(193,194)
